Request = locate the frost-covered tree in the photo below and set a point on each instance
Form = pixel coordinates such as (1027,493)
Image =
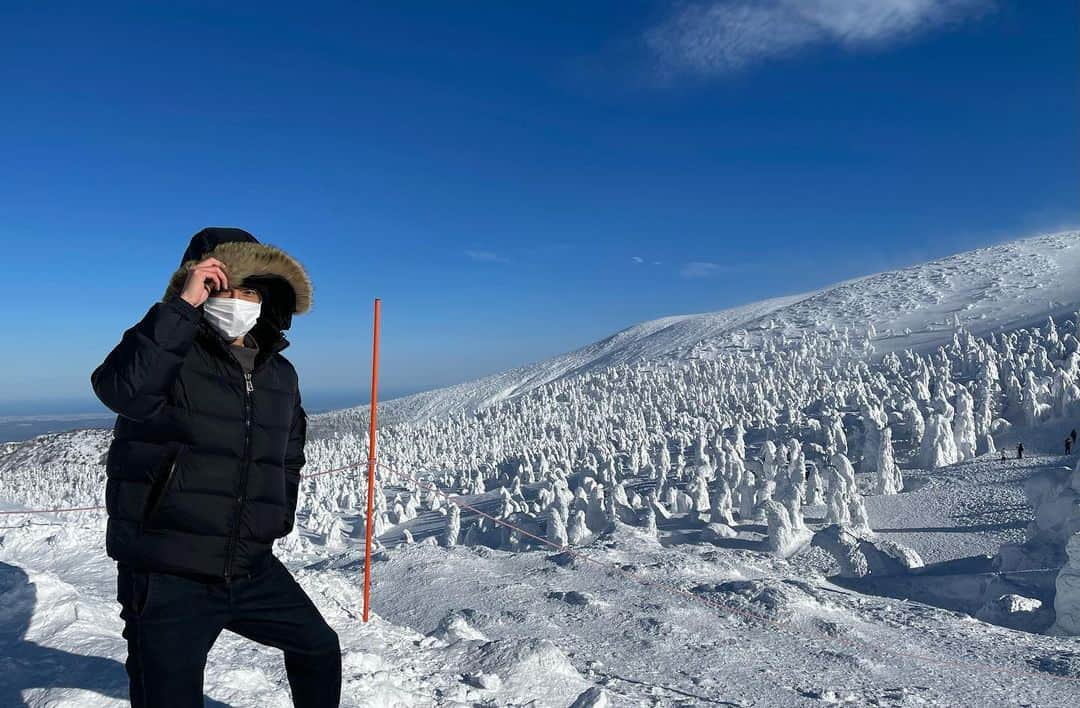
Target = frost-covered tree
(860,520)
(747,496)
(939,444)
(576,529)
(836,502)
(888,477)
(964,435)
(914,422)
(1032,408)
(595,516)
(722,507)
(873,420)
(814,487)
(453,526)
(556,530)
(699,494)
(785,537)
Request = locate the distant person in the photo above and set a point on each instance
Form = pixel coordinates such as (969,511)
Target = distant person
(1003,455)
(203,473)
(1020,451)
(1068,446)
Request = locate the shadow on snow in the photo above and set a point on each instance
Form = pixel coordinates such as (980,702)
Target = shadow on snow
(27,665)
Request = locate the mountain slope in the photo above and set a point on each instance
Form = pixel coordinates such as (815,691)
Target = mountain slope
(999,287)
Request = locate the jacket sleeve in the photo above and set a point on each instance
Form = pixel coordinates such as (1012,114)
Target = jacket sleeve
(135,377)
(294,462)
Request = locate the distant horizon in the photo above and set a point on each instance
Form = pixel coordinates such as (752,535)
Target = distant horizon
(89,407)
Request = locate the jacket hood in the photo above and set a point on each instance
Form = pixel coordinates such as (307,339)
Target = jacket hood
(247,259)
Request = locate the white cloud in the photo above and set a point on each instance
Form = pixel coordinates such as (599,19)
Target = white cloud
(485,257)
(700,269)
(724,36)
(638,259)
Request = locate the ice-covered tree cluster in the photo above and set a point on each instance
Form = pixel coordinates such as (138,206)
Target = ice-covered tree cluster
(637,443)
(728,435)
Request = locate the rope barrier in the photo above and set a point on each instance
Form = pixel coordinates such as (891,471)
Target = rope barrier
(102,506)
(797,633)
(51,511)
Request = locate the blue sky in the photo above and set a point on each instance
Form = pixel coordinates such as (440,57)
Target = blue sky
(514,181)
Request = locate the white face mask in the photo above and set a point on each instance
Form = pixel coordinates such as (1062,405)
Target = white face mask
(231,316)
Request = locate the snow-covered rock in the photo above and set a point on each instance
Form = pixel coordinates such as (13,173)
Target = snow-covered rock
(859,556)
(1067,599)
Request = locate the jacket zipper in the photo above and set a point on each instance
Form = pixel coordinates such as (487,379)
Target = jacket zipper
(248,405)
(160,490)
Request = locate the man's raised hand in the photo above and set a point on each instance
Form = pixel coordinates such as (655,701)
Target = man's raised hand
(204,278)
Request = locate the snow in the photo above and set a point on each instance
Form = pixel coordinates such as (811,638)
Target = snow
(792,502)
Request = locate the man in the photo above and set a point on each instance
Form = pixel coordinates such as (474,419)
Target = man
(203,473)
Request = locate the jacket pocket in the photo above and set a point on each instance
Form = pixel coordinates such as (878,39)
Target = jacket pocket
(141,592)
(133,590)
(160,486)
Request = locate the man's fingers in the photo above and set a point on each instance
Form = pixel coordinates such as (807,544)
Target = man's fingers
(214,261)
(211,273)
(209,276)
(220,275)
(215,273)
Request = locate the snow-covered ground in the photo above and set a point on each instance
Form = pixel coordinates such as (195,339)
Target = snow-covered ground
(60,641)
(796,502)
(686,624)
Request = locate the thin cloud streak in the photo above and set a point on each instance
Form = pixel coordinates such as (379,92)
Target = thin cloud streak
(709,269)
(485,257)
(700,269)
(725,36)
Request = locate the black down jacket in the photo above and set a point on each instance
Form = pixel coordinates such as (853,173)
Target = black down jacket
(204,465)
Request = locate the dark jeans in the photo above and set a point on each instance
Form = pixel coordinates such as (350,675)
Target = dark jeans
(171,622)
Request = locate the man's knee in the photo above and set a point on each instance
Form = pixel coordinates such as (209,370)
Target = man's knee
(326,641)
(318,637)
(320,654)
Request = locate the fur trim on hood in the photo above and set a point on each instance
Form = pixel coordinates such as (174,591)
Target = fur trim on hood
(250,258)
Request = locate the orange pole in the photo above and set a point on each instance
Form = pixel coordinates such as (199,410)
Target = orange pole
(371,461)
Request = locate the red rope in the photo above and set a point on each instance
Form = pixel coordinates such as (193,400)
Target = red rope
(52,511)
(102,506)
(648,582)
(798,633)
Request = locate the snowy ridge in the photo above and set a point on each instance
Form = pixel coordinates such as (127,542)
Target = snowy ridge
(996,288)
(653,339)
